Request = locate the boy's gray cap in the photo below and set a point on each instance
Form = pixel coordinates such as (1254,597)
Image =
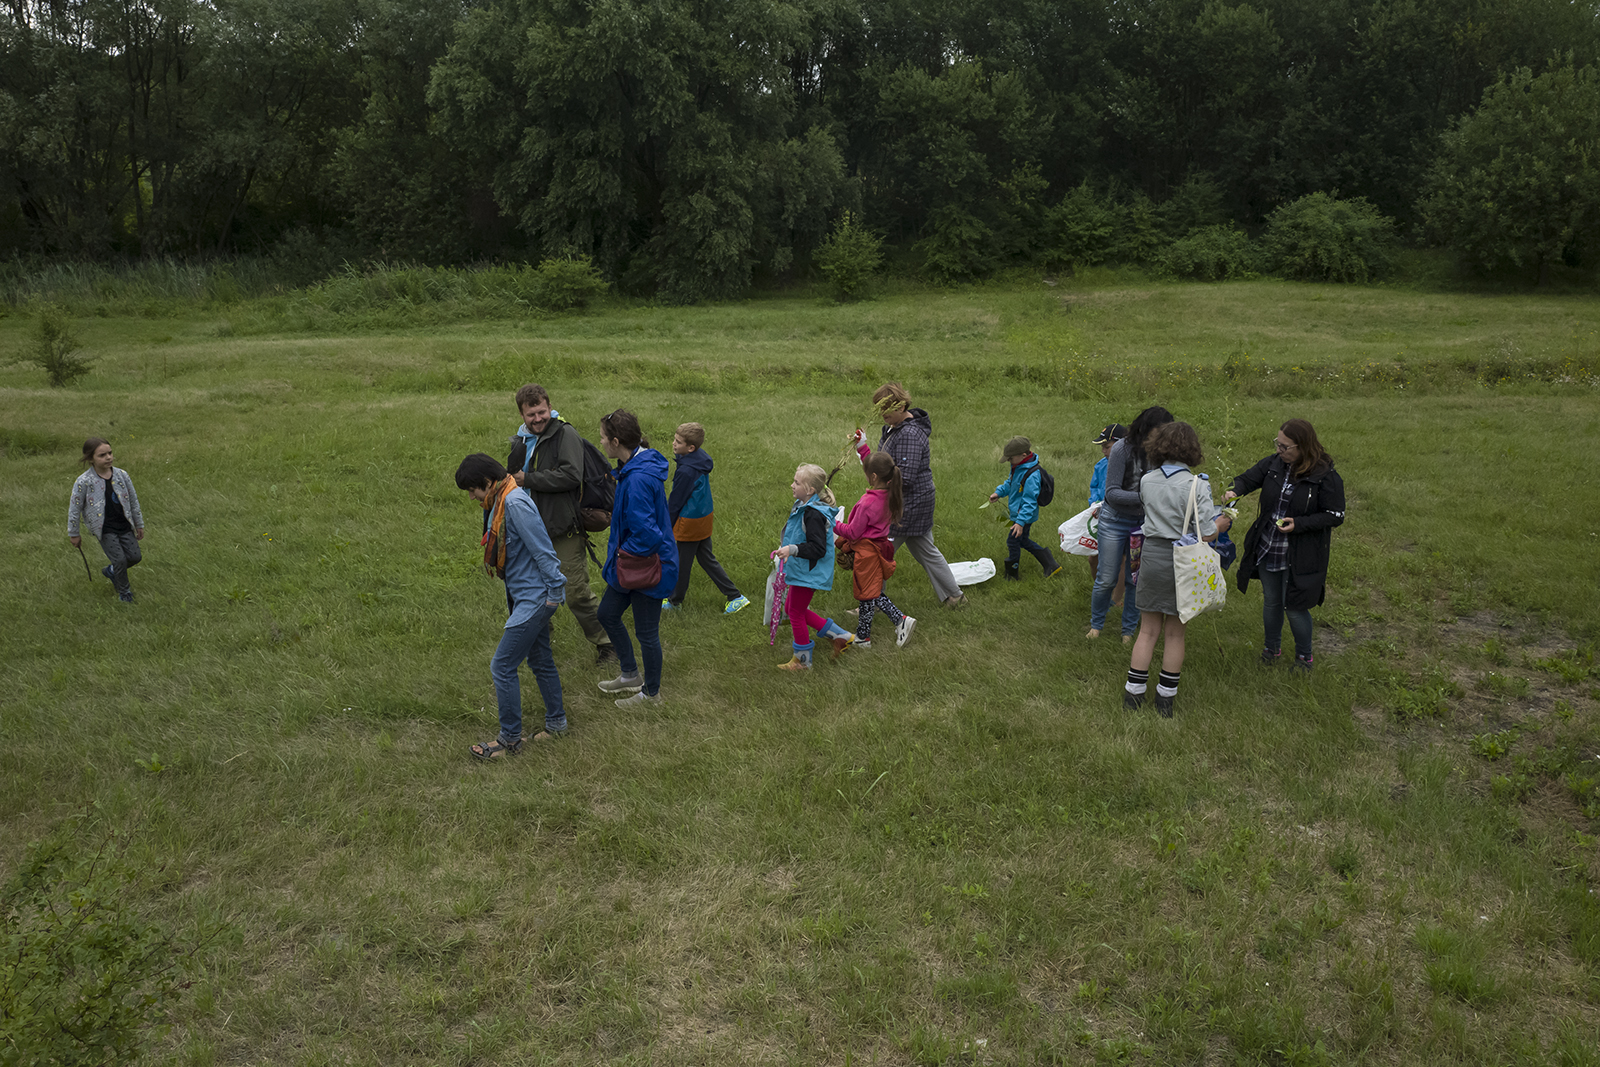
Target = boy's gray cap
(1017,446)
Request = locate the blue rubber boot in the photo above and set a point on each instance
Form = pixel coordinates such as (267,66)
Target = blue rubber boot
(801,661)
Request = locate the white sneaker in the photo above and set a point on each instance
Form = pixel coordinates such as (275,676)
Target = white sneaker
(623,683)
(902,632)
(639,699)
(862,644)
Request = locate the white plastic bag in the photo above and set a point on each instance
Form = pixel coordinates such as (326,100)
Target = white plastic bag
(1197,569)
(1080,535)
(973,571)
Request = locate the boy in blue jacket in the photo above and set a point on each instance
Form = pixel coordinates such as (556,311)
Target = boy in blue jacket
(689,508)
(1021,491)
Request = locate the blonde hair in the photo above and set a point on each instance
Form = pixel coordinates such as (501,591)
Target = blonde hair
(809,474)
(693,434)
(892,396)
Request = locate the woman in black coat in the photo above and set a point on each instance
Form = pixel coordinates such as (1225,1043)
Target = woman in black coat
(1302,500)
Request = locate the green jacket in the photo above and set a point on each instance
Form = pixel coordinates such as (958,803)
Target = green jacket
(555,477)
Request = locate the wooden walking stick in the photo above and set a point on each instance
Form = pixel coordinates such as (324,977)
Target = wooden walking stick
(85,564)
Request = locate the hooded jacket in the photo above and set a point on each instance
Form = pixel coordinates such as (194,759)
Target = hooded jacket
(1316,503)
(639,523)
(689,504)
(908,445)
(1021,490)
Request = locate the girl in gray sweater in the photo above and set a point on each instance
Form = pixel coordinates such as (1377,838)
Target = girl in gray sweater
(103,500)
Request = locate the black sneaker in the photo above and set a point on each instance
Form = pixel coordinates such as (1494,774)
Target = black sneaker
(1164,706)
(605,654)
(1271,656)
(1302,664)
(1132,701)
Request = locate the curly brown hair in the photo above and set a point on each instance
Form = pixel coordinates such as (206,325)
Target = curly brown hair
(1174,442)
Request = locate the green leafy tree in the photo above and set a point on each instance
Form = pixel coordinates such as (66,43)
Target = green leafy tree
(957,148)
(1518,180)
(648,134)
(1202,91)
(400,189)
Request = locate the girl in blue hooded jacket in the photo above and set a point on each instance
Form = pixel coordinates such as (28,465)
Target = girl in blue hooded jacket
(807,544)
(641,534)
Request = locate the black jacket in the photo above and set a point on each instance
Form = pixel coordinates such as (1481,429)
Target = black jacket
(556,480)
(1316,504)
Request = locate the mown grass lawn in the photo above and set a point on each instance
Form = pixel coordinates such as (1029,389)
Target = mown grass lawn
(964,851)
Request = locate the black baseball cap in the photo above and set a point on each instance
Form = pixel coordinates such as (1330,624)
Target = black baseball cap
(1113,432)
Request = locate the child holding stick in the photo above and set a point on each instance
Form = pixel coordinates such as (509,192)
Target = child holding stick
(103,499)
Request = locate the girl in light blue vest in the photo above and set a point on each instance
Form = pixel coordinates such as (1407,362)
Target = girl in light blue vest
(808,546)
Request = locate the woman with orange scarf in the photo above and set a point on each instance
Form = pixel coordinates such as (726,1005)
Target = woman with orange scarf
(517,549)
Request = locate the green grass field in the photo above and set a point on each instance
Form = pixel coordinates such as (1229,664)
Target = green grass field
(963,851)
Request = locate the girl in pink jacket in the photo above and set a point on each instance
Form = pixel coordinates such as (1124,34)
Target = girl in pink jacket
(865,535)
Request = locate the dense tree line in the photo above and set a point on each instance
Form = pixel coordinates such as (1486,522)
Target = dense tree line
(688,146)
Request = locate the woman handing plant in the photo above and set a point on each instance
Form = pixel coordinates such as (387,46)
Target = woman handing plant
(905,437)
(1287,548)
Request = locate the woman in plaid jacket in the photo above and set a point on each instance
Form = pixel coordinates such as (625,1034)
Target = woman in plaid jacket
(905,438)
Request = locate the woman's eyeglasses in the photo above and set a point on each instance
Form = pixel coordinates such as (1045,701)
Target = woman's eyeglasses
(1281,447)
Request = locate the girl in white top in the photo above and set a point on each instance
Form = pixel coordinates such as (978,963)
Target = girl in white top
(103,500)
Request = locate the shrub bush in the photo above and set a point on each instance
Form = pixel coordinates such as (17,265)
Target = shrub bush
(54,346)
(1212,254)
(1322,239)
(849,256)
(567,283)
(1081,230)
(83,978)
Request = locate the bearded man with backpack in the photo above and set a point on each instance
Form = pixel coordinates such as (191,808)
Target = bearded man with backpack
(548,460)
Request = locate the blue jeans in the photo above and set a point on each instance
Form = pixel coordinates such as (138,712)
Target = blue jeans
(528,641)
(646,624)
(1015,545)
(1114,531)
(1274,588)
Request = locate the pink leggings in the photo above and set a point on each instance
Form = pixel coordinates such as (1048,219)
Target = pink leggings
(801,618)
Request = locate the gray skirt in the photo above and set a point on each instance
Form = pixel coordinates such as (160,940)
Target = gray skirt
(1158,589)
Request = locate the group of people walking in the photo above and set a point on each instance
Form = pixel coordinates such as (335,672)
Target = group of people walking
(541,505)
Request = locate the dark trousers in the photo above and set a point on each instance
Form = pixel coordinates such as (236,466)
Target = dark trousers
(1274,591)
(122,549)
(1015,545)
(690,552)
(646,624)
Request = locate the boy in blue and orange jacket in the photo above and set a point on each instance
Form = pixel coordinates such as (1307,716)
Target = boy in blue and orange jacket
(689,508)
(1021,491)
